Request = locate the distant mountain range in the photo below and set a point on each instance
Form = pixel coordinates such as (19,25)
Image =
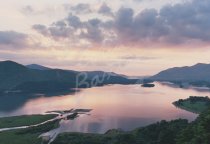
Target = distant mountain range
(34,78)
(197,74)
(15,78)
(37,67)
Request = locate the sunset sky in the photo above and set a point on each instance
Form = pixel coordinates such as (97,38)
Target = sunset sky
(133,37)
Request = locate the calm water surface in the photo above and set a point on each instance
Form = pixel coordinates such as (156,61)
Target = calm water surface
(114,106)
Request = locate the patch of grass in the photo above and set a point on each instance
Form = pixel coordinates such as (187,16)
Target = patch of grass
(193,104)
(25,120)
(28,135)
(197,107)
(41,128)
(12,137)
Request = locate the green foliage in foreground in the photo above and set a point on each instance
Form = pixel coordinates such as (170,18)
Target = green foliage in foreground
(198,132)
(25,120)
(27,136)
(173,132)
(160,133)
(12,137)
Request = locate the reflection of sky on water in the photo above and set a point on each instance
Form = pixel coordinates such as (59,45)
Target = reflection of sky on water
(115,106)
(94,125)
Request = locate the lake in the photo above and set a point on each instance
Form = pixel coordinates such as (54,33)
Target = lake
(113,106)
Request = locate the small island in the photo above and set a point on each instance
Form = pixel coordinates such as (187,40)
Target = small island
(193,104)
(148,85)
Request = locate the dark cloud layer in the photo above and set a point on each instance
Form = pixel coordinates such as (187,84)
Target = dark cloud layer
(183,23)
(73,28)
(12,39)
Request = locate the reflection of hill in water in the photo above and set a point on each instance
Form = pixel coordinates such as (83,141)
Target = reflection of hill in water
(197,89)
(14,101)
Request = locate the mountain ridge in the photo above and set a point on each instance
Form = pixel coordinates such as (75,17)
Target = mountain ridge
(37,66)
(197,72)
(16,77)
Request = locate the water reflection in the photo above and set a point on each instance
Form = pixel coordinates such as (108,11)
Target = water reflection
(114,106)
(12,102)
(200,89)
(88,124)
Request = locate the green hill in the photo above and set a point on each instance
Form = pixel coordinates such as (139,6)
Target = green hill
(15,77)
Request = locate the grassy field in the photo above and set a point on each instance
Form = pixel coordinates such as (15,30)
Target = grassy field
(25,120)
(197,107)
(193,104)
(27,136)
(12,137)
